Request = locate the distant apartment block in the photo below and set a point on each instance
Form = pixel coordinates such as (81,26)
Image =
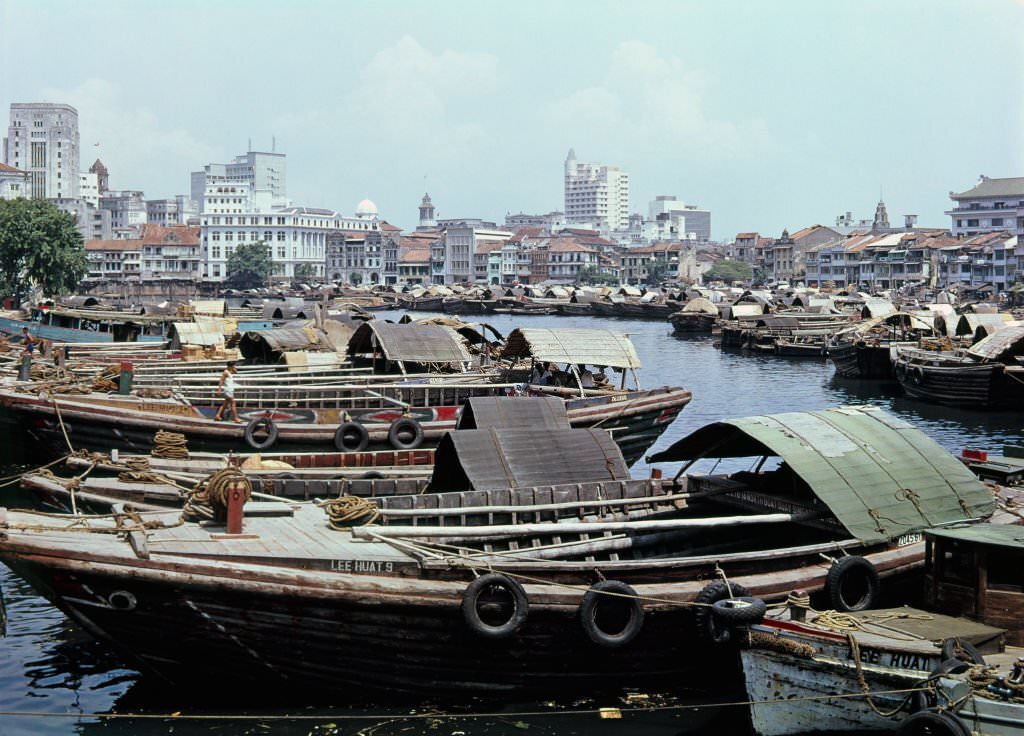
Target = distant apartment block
(42,140)
(989,206)
(596,195)
(264,174)
(677,220)
(177,210)
(127,208)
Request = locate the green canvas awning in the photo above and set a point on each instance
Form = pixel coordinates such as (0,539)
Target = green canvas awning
(878,475)
(988,535)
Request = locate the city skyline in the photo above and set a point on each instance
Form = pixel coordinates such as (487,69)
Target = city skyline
(772,117)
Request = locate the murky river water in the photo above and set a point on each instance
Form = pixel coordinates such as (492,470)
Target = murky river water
(58,674)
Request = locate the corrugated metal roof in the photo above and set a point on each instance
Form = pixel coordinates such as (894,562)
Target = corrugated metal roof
(579,346)
(198,333)
(484,459)
(880,476)
(283,338)
(996,535)
(415,342)
(540,412)
(214,307)
(1006,341)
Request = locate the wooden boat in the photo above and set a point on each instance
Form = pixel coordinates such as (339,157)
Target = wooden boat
(809,678)
(536,569)
(866,350)
(925,672)
(989,374)
(801,347)
(698,315)
(311,465)
(396,410)
(65,325)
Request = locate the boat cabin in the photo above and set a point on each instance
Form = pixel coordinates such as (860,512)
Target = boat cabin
(578,360)
(978,571)
(854,471)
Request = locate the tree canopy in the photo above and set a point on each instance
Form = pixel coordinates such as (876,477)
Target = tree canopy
(39,246)
(249,265)
(305,272)
(728,271)
(594,275)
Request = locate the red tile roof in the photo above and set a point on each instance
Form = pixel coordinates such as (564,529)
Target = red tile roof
(568,245)
(415,255)
(115,245)
(5,167)
(746,236)
(169,235)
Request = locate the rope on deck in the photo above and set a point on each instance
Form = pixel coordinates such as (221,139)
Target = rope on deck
(170,445)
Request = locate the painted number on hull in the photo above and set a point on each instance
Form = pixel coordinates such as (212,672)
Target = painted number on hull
(905,540)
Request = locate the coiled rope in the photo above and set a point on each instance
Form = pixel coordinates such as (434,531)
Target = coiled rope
(345,512)
(170,445)
(209,499)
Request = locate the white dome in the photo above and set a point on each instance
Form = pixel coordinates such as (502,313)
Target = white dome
(366,208)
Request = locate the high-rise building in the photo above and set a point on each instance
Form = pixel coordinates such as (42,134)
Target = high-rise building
(42,140)
(680,221)
(596,195)
(265,174)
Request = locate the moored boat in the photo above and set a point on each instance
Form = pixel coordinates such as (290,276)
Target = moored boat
(903,670)
(535,569)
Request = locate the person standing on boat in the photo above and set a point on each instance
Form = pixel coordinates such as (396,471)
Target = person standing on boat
(226,388)
(28,342)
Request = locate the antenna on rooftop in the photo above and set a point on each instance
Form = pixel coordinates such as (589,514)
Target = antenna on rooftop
(250,145)
(273,144)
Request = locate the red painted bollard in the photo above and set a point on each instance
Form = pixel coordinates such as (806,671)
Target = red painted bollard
(124,384)
(236,505)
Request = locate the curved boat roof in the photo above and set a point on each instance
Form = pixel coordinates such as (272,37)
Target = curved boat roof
(413,342)
(525,457)
(577,346)
(484,412)
(880,476)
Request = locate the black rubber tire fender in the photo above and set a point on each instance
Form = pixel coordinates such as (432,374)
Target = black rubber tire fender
(401,426)
(917,375)
(371,475)
(471,606)
(351,437)
(839,576)
(708,628)
(268,426)
(742,611)
(597,596)
(924,699)
(964,651)
(932,723)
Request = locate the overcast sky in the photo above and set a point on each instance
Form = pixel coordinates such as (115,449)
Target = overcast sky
(772,114)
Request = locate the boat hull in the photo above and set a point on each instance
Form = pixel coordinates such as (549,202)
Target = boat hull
(269,634)
(635,420)
(854,360)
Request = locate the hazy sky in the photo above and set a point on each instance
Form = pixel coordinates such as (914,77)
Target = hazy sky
(774,114)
